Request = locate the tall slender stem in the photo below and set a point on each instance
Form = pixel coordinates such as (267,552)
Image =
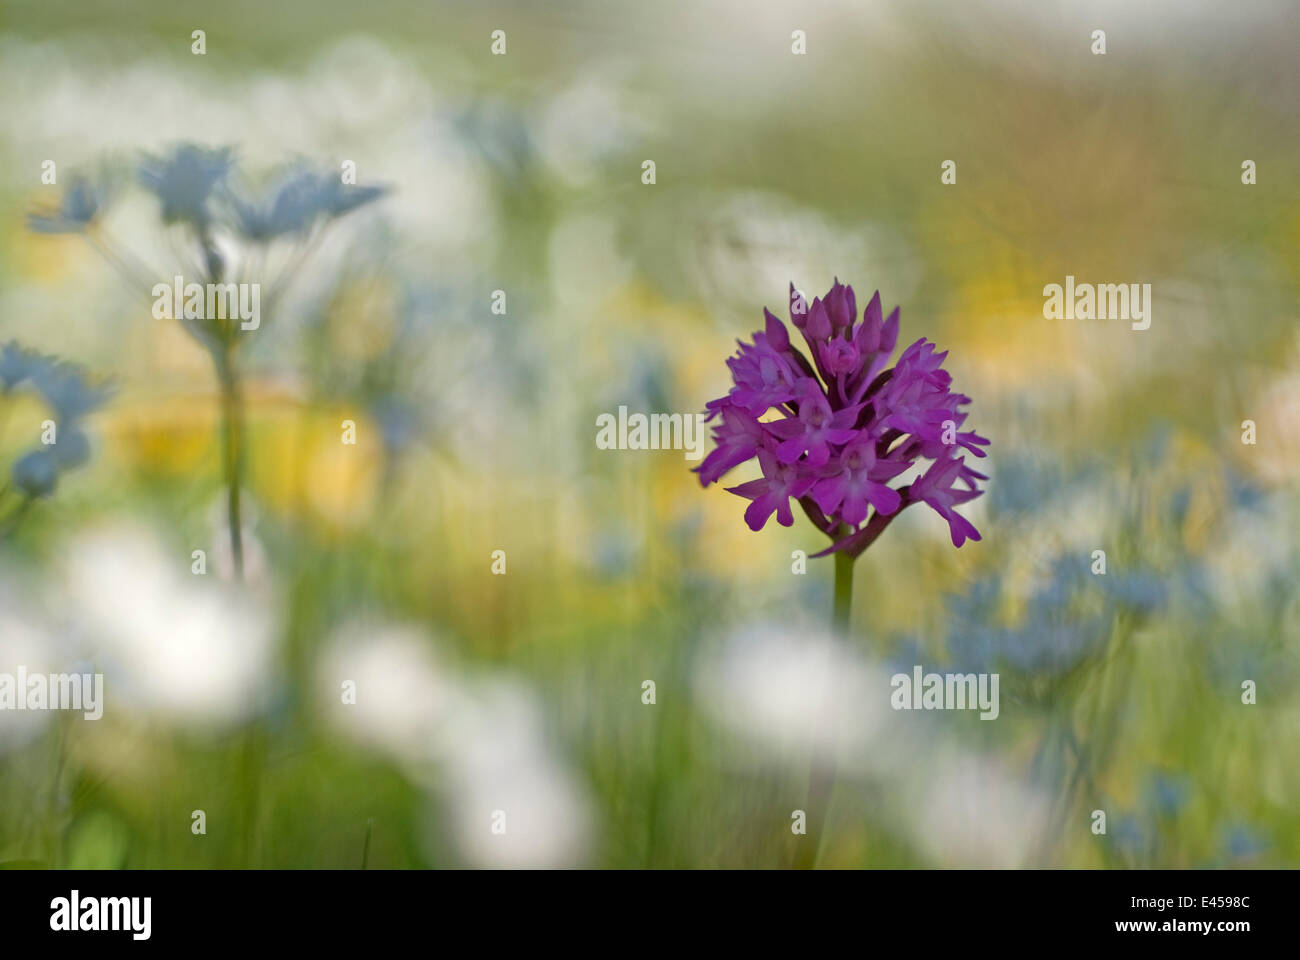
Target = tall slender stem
(232,451)
(843,593)
(365,848)
(821,778)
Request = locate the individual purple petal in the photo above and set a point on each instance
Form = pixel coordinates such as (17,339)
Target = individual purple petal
(935,487)
(764,376)
(867,338)
(814,323)
(814,429)
(961,529)
(772,492)
(840,357)
(778,338)
(841,307)
(798,307)
(856,486)
(889,333)
(738,438)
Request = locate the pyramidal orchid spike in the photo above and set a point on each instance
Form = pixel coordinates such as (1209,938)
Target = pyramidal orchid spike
(834,437)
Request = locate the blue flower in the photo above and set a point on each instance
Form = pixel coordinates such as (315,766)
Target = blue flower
(184,181)
(1140,590)
(1243,842)
(67,390)
(1052,647)
(337,198)
(1130,836)
(1244,493)
(36,473)
(17,364)
(296,202)
(1024,485)
(81,203)
(1166,794)
(72,448)
(975,647)
(288,207)
(1048,641)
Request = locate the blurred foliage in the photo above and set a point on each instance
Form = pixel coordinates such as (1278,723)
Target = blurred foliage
(1120,692)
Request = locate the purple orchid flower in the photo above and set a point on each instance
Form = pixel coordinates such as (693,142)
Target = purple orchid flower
(937,489)
(738,438)
(779,483)
(859,481)
(845,424)
(765,373)
(815,428)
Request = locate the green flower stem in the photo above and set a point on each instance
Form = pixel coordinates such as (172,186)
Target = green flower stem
(232,449)
(365,848)
(843,593)
(821,779)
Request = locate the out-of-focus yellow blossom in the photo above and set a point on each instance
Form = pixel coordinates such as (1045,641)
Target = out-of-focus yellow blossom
(299,464)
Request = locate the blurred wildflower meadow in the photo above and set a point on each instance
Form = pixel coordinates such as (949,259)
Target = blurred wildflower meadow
(369,653)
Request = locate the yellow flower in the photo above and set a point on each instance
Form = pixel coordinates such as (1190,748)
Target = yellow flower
(322,465)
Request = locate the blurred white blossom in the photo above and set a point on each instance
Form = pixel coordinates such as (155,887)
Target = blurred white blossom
(476,742)
(26,641)
(398,693)
(795,692)
(184,646)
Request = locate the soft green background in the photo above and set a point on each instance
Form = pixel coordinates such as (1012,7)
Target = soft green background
(522,173)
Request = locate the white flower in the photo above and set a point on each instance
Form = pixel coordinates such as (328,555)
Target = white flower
(512,801)
(476,742)
(967,810)
(24,642)
(796,692)
(382,687)
(168,641)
